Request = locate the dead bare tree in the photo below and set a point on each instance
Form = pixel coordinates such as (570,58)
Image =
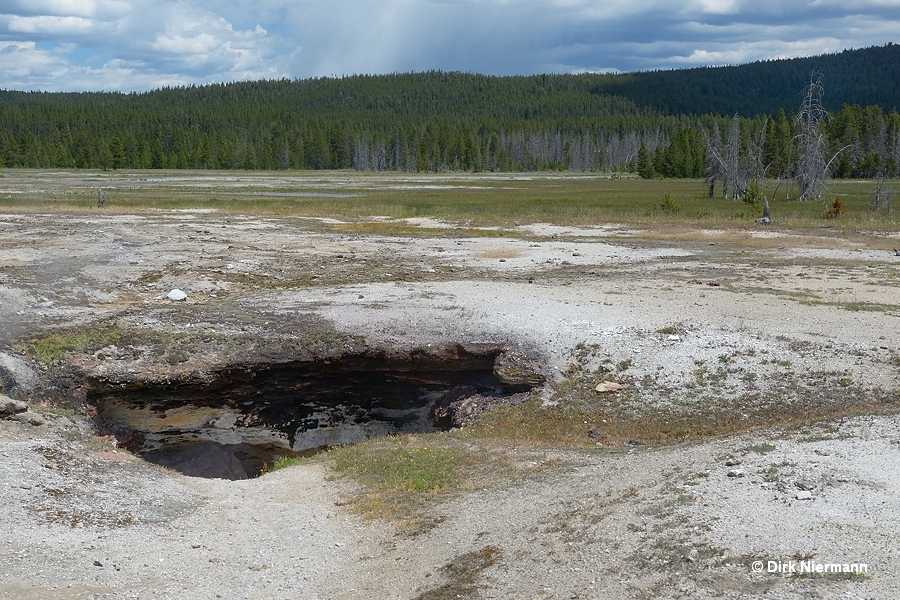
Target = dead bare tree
(722,161)
(714,167)
(732,158)
(736,169)
(752,169)
(882,198)
(812,168)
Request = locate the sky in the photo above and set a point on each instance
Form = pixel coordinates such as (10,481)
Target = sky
(139,45)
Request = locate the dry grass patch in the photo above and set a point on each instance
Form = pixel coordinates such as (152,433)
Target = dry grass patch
(461,574)
(646,413)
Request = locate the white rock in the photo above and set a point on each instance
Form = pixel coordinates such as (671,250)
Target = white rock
(736,473)
(177,295)
(609,386)
(803,495)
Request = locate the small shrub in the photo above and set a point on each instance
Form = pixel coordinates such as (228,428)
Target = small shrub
(753,194)
(667,206)
(761,448)
(837,209)
(676,329)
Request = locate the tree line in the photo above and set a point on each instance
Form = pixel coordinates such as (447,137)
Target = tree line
(429,121)
(864,141)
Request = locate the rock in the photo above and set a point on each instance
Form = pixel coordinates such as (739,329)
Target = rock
(177,295)
(175,356)
(457,408)
(609,386)
(803,495)
(593,433)
(674,338)
(514,369)
(8,406)
(608,367)
(16,376)
(732,462)
(31,418)
(736,473)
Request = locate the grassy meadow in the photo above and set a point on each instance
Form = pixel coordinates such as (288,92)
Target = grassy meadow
(489,199)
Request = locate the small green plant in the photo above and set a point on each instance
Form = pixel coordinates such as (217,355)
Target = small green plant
(753,194)
(282,463)
(675,329)
(762,448)
(667,206)
(55,346)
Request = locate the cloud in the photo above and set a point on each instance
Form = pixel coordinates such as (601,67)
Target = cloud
(22,59)
(145,43)
(141,44)
(49,25)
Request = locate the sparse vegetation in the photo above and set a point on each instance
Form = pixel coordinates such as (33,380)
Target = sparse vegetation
(50,348)
(282,463)
(397,472)
(474,201)
(761,448)
(674,329)
(462,573)
(667,206)
(836,209)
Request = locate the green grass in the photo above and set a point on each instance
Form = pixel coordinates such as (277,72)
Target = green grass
(283,463)
(407,464)
(484,199)
(398,478)
(56,346)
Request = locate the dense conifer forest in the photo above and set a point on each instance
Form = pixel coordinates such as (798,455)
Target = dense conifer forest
(661,123)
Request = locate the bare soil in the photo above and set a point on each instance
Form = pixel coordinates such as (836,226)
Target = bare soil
(710,320)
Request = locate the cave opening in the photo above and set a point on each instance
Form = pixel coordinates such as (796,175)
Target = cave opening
(238,421)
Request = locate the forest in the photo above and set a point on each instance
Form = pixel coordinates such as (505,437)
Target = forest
(661,123)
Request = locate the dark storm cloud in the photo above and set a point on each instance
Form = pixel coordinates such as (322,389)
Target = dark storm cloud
(142,44)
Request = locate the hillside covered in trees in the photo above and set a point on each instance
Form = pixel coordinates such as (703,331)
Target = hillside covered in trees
(462,121)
